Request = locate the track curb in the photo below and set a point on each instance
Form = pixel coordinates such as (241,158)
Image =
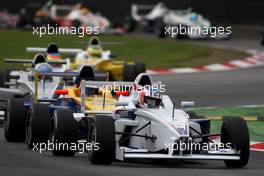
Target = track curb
(256,59)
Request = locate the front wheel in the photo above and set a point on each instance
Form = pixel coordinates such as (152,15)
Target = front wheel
(15,120)
(129,72)
(37,124)
(102,136)
(140,68)
(234,130)
(262,40)
(63,132)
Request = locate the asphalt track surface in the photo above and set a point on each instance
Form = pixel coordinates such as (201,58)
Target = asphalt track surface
(16,159)
(221,88)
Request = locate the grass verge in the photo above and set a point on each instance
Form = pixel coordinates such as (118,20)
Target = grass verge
(256,128)
(154,52)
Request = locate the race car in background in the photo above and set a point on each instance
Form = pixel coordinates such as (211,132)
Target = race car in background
(36,93)
(159,16)
(73,16)
(146,125)
(101,60)
(8,20)
(21,91)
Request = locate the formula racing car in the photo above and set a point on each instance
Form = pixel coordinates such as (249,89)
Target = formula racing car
(154,18)
(100,59)
(146,125)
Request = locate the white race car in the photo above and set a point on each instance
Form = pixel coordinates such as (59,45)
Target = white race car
(159,17)
(146,125)
(20,86)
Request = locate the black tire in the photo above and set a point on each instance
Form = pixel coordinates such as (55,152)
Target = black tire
(63,130)
(2,79)
(15,120)
(37,124)
(102,132)
(262,40)
(130,25)
(129,72)
(180,36)
(162,31)
(7,77)
(235,131)
(140,68)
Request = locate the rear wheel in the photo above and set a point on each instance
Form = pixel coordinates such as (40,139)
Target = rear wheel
(129,72)
(2,79)
(161,30)
(37,124)
(262,40)
(63,132)
(140,68)
(15,120)
(102,136)
(7,77)
(235,131)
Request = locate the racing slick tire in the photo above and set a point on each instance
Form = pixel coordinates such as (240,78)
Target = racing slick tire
(7,77)
(161,31)
(262,40)
(102,136)
(37,125)
(140,68)
(234,130)
(2,79)
(63,132)
(15,120)
(129,72)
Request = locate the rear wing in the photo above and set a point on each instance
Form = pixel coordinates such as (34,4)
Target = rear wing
(71,51)
(57,74)
(29,61)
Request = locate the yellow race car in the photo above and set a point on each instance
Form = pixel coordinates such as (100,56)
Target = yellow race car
(95,56)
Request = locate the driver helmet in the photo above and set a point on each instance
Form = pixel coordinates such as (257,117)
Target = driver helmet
(44,68)
(53,56)
(194,17)
(94,51)
(94,48)
(149,97)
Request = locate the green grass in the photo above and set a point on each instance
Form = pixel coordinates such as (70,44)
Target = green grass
(231,111)
(256,129)
(154,52)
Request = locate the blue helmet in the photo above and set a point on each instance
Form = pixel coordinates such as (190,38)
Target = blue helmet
(43,67)
(194,17)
